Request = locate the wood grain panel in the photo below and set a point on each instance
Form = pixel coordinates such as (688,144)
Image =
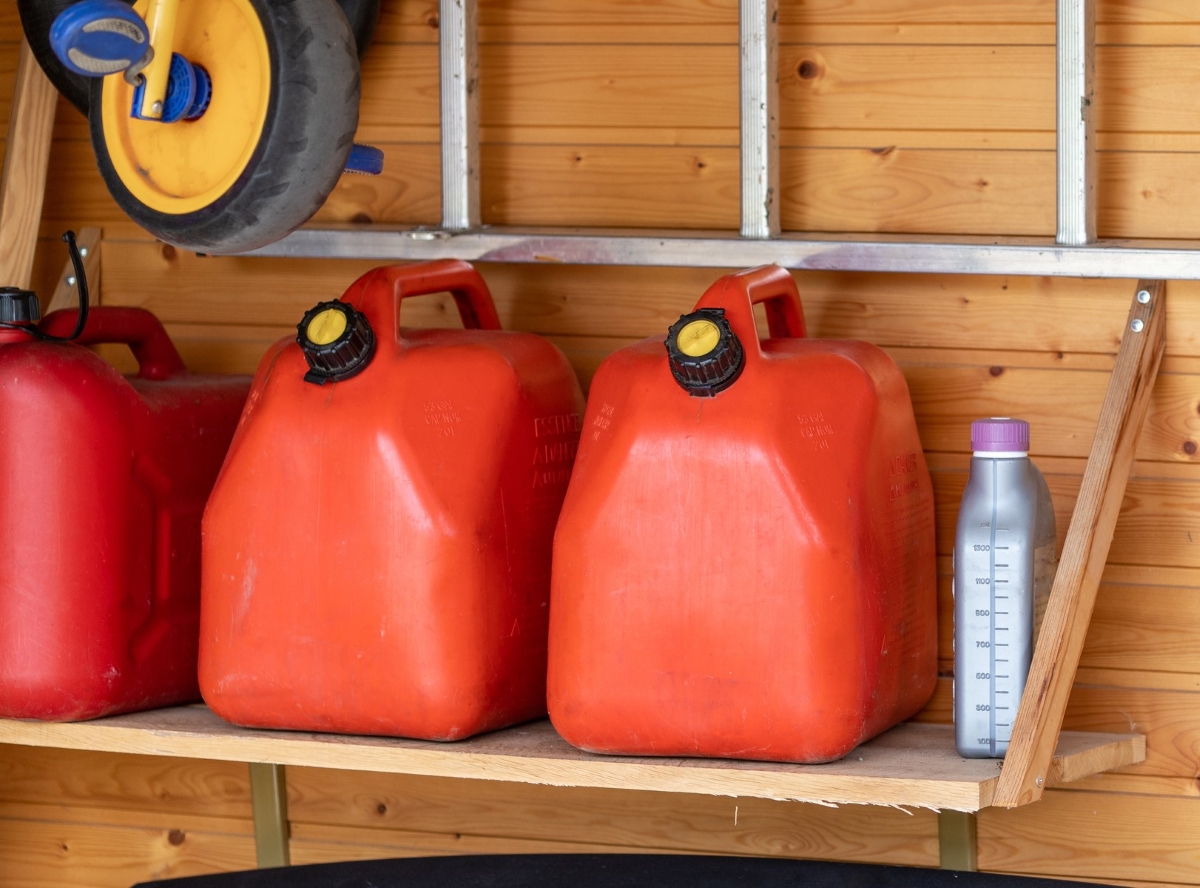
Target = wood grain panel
(611,21)
(918,87)
(1136,784)
(1159,523)
(48,854)
(1061,406)
(1169,719)
(988,192)
(1134,628)
(328,844)
(1126,837)
(607,186)
(165,787)
(607,818)
(827,86)
(826,189)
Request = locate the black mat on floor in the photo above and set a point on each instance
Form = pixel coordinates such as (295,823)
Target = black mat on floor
(603,871)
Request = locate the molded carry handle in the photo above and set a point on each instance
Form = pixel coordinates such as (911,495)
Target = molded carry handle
(383,289)
(135,327)
(771,285)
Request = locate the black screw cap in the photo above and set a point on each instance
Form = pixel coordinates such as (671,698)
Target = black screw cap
(337,342)
(705,355)
(19,306)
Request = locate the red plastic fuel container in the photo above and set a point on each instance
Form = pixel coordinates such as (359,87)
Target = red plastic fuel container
(105,480)
(377,548)
(744,565)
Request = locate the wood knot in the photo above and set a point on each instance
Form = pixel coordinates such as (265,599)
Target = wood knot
(433,21)
(996,371)
(1189,447)
(808,69)
(361,218)
(381,809)
(168,252)
(176,837)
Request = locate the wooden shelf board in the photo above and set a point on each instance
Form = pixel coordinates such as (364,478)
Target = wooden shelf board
(912,765)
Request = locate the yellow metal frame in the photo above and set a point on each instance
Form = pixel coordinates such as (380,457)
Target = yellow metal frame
(160,16)
(185,166)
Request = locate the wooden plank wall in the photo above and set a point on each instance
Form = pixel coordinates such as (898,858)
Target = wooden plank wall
(898,115)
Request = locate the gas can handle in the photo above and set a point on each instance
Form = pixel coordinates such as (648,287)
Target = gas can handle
(463,282)
(137,328)
(771,285)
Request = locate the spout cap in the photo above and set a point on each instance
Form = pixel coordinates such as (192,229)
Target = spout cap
(1000,434)
(337,342)
(19,306)
(705,354)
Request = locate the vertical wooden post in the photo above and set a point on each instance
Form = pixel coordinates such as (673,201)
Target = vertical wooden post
(1040,717)
(23,184)
(268,797)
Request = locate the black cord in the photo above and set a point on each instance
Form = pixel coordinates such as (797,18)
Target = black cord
(80,286)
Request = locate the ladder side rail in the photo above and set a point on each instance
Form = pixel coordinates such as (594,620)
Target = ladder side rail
(458,54)
(758,39)
(1075,26)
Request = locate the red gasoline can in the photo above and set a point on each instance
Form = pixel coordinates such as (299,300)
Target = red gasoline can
(744,565)
(377,548)
(105,480)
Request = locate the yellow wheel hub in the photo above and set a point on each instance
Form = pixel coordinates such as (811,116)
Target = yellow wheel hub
(177,168)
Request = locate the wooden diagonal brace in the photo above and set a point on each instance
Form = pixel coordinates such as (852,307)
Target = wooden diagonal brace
(22,186)
(1040,717)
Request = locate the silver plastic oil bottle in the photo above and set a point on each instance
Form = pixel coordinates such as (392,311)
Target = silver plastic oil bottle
(1004,563)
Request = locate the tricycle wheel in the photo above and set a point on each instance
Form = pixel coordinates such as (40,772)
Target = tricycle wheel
(38,15)
(362,15)
(270,146)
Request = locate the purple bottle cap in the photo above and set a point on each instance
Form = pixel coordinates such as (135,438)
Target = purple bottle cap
(1000,435)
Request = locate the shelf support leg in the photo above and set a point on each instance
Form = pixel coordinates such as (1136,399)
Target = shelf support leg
(758,26)
(1076,57)
(459,54)
(268,798)
(958,841)
(1026,768)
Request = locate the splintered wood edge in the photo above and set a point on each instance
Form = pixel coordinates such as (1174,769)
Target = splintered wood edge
(1079,755)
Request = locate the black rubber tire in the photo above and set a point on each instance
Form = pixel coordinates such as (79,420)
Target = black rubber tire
(307,136)
(363,16)
(38,15)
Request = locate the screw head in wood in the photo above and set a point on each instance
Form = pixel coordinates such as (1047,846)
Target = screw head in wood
(1038,782)
(1137,325)
(83,251)
(1143,296)
(71,280)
